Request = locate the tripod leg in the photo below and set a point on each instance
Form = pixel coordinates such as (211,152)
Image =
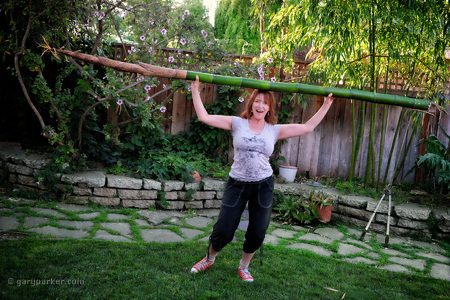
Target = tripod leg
(386,240)
(371,218)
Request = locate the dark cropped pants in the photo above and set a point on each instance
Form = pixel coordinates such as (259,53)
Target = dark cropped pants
(259,196)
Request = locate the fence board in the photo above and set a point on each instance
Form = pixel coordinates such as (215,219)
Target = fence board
(179,113)
(346,141)
(326,148)
(337,143)
(309,143)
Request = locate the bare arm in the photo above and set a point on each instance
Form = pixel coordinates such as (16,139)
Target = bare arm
(293,130)
(218,121)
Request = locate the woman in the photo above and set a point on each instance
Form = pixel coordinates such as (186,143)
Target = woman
(250,180)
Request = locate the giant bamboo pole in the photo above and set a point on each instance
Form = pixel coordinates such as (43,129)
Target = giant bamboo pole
(150,70)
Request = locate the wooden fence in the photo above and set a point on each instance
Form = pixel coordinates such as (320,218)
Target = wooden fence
(326,151)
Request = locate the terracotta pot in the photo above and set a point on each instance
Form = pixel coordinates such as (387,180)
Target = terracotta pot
(196,176)
(324,213)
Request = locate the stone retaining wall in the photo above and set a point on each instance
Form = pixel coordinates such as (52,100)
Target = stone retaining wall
(18,170)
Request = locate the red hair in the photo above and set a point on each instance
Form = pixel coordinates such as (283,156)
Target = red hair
(270,117)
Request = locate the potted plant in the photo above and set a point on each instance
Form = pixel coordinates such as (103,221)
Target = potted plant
(294,209)
(323,205)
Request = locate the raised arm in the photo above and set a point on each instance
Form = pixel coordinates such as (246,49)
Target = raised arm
(293,130)
(218,121)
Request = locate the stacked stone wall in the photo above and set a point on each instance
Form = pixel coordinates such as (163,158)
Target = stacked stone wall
(19,168)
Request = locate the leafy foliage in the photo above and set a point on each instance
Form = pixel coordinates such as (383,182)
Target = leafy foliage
(234,24)
(435,163)
(90,113)
(294,209)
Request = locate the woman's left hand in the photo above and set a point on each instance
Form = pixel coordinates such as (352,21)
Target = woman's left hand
(329,99)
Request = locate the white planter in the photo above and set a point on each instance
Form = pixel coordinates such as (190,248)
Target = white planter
(288,173)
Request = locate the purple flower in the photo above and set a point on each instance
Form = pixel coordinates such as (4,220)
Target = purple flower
(236,64)
(101,16)
(261,78)
(142,37)
(96,14)
(182,17)
(147,88)
(186,12)
(189,89)
(204,33)
(260,69)
(152,22)
(163,31)
(209,44)
(133,49)
(119,102)
(183,42)
(129,51)
(51,132)
(241,99)
(154,41)
(150,49)
(273,79)
(245,43)
(171,59)
(163,109)
(270,60)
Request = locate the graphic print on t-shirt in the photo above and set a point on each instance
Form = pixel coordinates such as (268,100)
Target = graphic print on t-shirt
(252,151)
(254,144)
(248,156)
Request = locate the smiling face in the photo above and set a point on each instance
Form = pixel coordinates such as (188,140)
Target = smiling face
(260,104)
(260,107)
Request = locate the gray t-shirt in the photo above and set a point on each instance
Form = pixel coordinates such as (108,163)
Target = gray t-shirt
(252,150)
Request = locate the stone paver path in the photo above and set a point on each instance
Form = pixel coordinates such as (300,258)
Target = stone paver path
(84,222)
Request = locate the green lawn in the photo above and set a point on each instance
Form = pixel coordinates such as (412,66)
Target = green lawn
(30,269)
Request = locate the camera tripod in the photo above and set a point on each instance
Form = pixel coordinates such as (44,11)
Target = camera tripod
(387,191)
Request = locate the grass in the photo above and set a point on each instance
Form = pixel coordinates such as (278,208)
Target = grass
(112,270)
(31,267)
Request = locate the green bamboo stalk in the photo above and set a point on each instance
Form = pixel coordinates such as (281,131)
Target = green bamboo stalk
(370,165)
(150,70)
(355,150)
(383,125)
(310,89)
(398,160)
(371,147)
(394,141)
(416,123)
(352,170)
